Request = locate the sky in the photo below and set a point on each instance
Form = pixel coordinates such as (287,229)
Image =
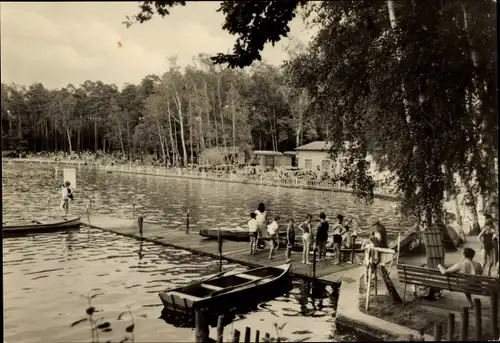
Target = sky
(58,43)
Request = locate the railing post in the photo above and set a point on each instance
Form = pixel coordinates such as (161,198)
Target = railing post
(438,331)
(494,315)
(187,221)
(477,320)
(464,330)
(451,326)
(236,336)
(220,329)
(201,326)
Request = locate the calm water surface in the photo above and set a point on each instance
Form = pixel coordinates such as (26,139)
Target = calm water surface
(46,276)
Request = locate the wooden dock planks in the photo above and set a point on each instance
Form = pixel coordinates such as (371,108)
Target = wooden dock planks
(237,252)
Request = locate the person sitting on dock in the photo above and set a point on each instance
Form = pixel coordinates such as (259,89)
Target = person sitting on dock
(290,240)
(466,266)
(306,238)
(273,231)
(487,249)
(261,217)
(253,226)
(322,236)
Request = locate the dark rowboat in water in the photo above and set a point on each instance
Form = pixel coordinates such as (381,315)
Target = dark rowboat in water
(231,234)
(45,225)
(221,293)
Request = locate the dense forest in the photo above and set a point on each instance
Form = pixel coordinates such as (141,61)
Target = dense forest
(176,115)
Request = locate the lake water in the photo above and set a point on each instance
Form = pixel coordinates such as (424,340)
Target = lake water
(47,275)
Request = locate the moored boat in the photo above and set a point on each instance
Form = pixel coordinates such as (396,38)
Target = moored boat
(221,293)
(45,225)
(237,234)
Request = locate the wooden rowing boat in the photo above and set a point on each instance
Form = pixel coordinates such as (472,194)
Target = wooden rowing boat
(221,293)
(237,234)
(46,225)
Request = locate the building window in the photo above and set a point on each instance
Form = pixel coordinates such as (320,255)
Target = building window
(308,164)
(325,164)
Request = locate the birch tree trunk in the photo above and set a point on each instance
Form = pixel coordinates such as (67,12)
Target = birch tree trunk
(477,105)
(177,101)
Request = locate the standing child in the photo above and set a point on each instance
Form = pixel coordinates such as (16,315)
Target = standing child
(273,231)
(261,217)
(338,231)
(322,236)
(290,240)
(306,238)
(253,226)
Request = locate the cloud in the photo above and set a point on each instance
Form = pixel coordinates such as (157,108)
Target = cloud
(61,43)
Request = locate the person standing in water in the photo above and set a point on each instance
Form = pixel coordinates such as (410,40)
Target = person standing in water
(273,231)
(261,217)
(66,195)
(253,226)
(486,239)
(306,238)
(322,236)
(290,240)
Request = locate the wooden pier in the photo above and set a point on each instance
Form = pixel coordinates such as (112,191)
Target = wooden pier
(236,252)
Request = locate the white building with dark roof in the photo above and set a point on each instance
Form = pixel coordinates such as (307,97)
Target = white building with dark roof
(314,156)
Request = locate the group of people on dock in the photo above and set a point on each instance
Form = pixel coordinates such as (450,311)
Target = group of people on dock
(264,231)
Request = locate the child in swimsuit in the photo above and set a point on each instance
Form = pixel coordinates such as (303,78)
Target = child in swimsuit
(290,240)
(306,238)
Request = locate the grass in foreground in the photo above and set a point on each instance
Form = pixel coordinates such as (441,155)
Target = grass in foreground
(421,318)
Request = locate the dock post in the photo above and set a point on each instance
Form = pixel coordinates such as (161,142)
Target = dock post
(494,315)
(219,242)
(220,329)
(187,221)
(201,326)
(49,215)
(133,208)
(89,208)
(477,320)
(140,221)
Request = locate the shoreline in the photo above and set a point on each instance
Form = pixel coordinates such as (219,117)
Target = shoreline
(190,174)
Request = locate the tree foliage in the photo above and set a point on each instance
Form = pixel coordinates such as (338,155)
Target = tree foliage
(174,116)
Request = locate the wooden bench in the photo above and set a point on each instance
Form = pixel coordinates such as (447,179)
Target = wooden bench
(456,282)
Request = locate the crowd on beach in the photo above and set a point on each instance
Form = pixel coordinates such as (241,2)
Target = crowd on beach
(248,172)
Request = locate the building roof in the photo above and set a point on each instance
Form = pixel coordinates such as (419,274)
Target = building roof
(290,153)
(314,146)
(267,153)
